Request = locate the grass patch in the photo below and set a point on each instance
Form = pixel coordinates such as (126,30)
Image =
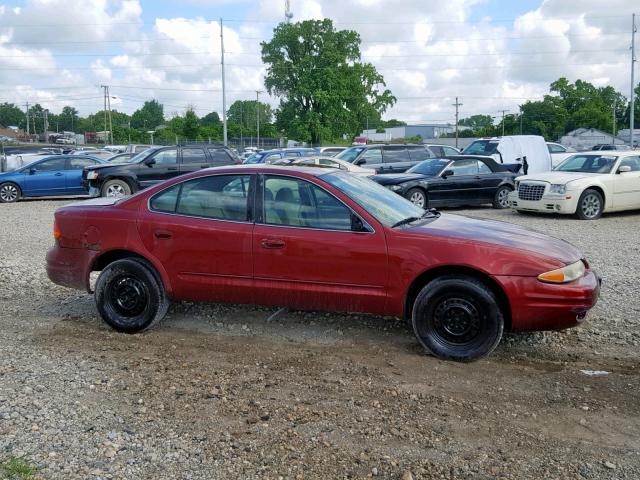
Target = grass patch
(16,468)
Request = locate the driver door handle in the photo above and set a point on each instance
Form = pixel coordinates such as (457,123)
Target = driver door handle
(272,243)
(172,168)
(162,234)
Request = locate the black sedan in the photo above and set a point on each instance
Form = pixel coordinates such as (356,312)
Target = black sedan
(454,181)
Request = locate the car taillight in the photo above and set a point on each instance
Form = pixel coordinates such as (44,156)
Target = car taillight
(56,231)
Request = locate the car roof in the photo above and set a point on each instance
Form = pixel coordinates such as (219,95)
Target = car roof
(609,153)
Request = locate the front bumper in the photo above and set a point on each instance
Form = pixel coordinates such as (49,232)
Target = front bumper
(70,267)
(536,305)
(549,203)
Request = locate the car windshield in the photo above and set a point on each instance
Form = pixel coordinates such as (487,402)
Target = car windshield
(141,156)
(350,154)
(255,158)
(588,164)
(430,167)
(481,147)
(384,205)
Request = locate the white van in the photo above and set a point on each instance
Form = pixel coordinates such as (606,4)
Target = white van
(530,151)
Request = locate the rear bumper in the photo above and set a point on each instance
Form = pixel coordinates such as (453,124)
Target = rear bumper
(70,267)
(543,306)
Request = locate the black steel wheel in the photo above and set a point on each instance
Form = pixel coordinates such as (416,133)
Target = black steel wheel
(9,193)
(590,205)
(457,317)
(129,296)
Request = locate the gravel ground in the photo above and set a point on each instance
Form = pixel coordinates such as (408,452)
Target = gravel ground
(216,392)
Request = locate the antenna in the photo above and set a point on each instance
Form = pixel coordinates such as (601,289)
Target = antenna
(288,15)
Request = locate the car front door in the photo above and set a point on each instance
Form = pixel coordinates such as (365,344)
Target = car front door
(164,165)
(73,174)
(308,254)
(461,187)
(371,158)
(193,158)
(46,178)
(200,231)
(626,185)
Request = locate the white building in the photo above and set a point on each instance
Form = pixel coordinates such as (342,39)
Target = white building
(585,138)
(408,131)
(625,135)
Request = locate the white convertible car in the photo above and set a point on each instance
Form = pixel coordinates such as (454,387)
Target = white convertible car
(585,185)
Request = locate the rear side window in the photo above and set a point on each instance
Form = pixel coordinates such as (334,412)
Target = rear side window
(193,155)
(396,155)
(450,151)
(418,154)
(291,154)
(166,157)
(140,148)
(219,156)
(222,197)
(464,167)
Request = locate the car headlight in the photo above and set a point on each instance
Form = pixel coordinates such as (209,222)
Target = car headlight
(564,275)
(92,175)
(395,188)
(557,188)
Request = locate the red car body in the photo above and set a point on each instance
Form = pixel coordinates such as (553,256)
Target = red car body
(379,271)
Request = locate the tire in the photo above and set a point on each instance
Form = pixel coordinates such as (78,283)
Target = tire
(130,297)
(590,205)
(456,317)
(9,193)
(418,197)
(115,188)
(501,198)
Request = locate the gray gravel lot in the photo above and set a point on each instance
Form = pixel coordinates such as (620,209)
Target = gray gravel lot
(215,392)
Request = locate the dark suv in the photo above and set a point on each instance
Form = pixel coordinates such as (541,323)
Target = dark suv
(391,158)
(152,166)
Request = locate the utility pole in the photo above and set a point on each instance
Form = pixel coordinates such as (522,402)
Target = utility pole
(287,11)
(258,92)
(104,87)
(503,112)
(521,115)
(241,122)
(27,119)
(633,64)
(457,105)
(613,129)
(109,107)
(224,91)
(46,123)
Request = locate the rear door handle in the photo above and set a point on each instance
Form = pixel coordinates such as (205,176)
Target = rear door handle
(272,243)
(59,174)
(162,235)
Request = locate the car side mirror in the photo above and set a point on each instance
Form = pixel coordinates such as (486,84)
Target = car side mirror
(32,171)
(624,169)
(150,161)
(447,173)
(359,162)
(357,225)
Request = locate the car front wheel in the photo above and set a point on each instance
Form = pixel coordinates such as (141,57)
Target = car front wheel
(501,198)
(590,205)
(418,198)
(116,188)
(9,193)
(129,296)
(456,317)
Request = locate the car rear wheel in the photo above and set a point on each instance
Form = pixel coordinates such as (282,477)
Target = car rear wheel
(130,297)
(9,193)
(116,189)
(418,197)
(456,317)
(501,198)
(590,205)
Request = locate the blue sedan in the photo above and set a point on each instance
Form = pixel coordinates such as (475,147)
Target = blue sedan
(59,175)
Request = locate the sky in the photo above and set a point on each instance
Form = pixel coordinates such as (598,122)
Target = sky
(491,54)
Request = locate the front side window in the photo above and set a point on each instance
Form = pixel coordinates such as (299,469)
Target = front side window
(448,151)
(350,154)
(371,156)
(298,203)
(221,197)
(291,154)
(166,157)
(80,163)
(483,169)
(53,165)
(633,162)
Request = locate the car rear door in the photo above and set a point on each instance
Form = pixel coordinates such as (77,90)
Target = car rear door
(201,231)
(371,158)
(463,186)
(306,254)
(396,159)
(73,174)
(47,177)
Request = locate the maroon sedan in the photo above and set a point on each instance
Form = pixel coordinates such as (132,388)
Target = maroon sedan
(312,239)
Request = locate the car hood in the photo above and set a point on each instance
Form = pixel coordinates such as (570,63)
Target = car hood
(558,177)
(393,178)
(500,234)
(106,164)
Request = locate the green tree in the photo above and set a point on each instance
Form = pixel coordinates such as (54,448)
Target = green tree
(11,115)
(191,125)
(243,113)
(325,89)
(68,119)
(477,122)
(210,120)
(150,116)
